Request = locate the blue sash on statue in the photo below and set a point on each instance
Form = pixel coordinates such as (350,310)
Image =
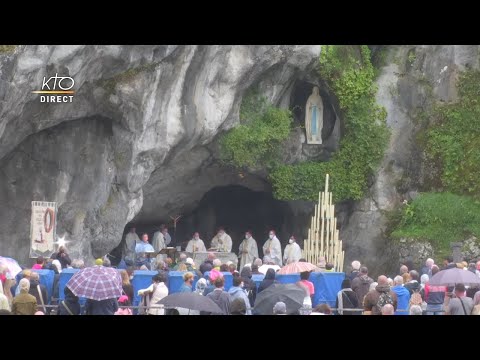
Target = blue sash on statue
(314,120)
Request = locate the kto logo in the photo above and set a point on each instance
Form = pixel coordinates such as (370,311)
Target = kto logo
(59,85)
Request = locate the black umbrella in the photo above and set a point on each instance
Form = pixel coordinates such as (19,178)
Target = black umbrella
(192,301)
(291,294)
(451,277)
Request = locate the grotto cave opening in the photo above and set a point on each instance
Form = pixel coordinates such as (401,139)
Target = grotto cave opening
(234,207)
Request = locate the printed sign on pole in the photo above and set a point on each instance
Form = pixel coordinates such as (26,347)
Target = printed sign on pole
(43,228)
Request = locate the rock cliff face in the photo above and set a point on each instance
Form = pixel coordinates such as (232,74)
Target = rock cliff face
(414,77)
(139,124)
(139,141)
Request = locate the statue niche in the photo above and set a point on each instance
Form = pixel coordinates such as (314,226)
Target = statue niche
(314,117)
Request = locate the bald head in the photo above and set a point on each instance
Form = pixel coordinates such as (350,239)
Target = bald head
(382,280)
(403,269)
(388,309)
(211,256)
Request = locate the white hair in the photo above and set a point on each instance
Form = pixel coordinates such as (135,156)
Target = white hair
(373,285)
(356,265)
(217,262)
(398,280)
(78,264)
(415,310)
(24,285)
(424,278)
(390,281)
(429,262)
(258,262)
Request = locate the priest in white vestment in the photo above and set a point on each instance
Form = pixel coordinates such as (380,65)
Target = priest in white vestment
(158,241)
(273,249)
(196,244)
(292,252)
(248,250)
(222,242)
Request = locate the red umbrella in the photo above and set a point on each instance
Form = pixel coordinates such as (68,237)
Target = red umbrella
(297,267)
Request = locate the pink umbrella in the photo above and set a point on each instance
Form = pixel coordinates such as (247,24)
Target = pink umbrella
(297,267)
(96,283)
(12,266)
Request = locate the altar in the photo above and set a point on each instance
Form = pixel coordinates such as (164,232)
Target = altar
(200,257)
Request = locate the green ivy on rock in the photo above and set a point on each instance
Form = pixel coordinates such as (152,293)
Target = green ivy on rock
(453,138)
(256,141)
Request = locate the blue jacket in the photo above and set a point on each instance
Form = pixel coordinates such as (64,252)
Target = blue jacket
(403,299)
(185,288)
(238,292)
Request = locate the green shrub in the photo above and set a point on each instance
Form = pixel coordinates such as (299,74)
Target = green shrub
(453,138)
(256,141)
(439,218)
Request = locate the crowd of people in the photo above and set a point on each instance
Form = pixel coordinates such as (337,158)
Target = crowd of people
(407,293)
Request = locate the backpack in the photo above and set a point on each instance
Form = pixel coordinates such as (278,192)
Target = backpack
(416,298)
(384,299)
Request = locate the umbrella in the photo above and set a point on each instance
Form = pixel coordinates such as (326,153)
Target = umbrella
(192,301)
(297,267)
(96,283)
(451,277)
(12,266)
(291,294)
(263,269)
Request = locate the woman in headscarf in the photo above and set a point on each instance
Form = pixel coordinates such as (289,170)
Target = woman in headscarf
(200,286)
(71,304)
(347,299)
(268,280)
(24,303)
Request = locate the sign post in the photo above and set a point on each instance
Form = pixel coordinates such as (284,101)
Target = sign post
(43,227)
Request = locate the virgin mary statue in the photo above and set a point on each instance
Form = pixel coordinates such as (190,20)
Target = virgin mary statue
(314,117)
